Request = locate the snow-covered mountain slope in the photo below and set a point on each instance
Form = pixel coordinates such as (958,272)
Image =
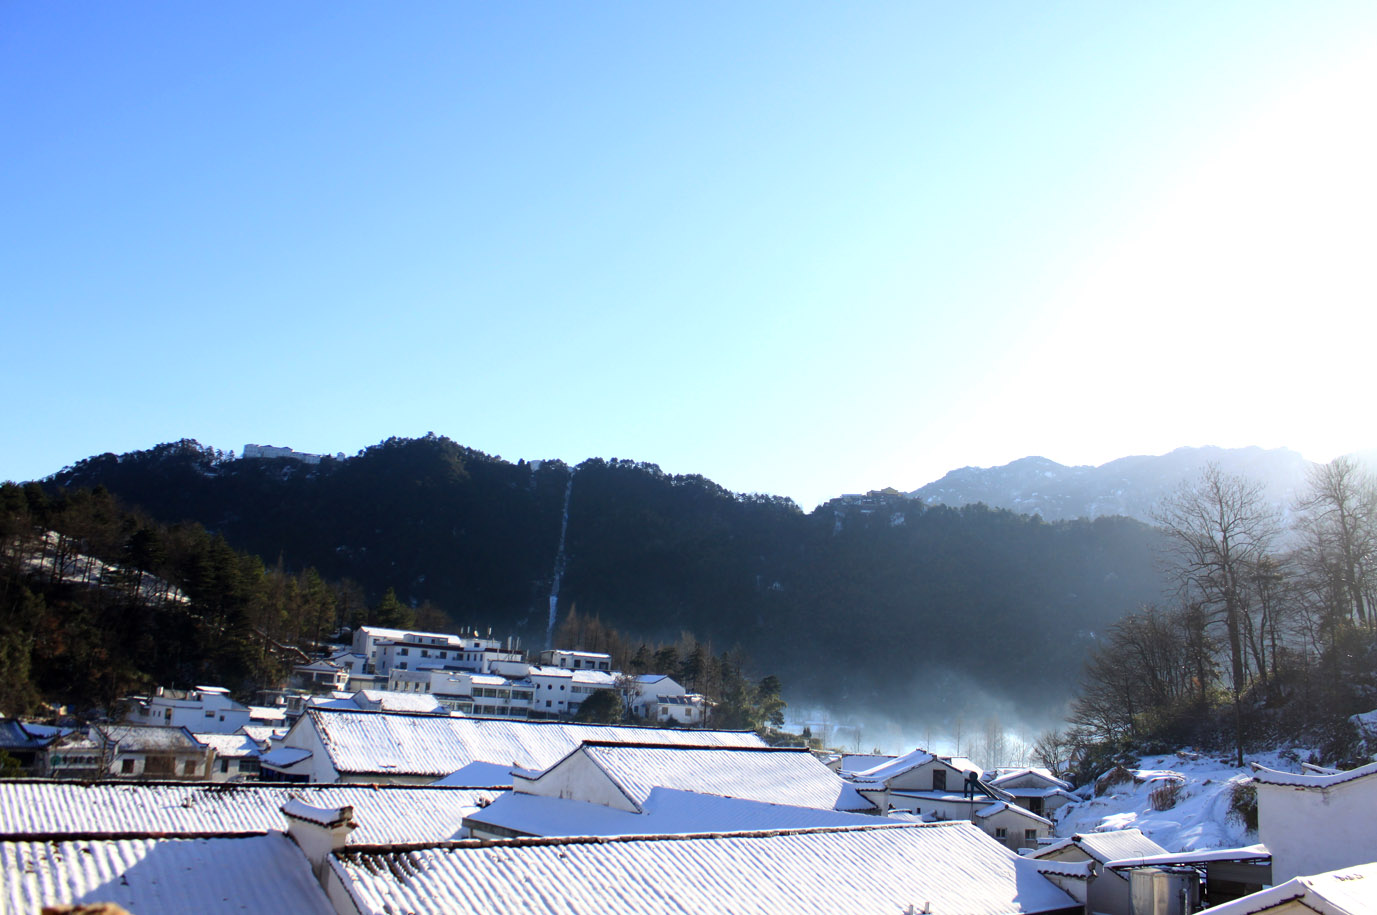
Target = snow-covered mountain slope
(1131,486)
(1198,819)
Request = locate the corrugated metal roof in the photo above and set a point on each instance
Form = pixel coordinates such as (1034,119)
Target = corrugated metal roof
(258,874)
(793,777)
(950,869)
(665,812)
(383,813)
(374,743)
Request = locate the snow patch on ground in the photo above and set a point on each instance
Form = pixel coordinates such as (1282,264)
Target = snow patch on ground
(1200,818)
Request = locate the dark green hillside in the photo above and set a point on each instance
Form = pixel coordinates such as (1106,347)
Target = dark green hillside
(851,600)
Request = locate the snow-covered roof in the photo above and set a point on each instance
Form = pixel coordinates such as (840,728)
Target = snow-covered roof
(773,776)
(1050,781)
(16,735)
(267,713)
(894,766)
(595,677)
(1247,853)
(262,733)
(1265,776)
(479,773)
(861,762)
(1348,891)
(285,757)
(952,868)
(384,813)
(665,811)
(390,701)
(230,745)
(390,744)
(145,737)
(999,807)
(1111,845)
(379,632)
(263,873)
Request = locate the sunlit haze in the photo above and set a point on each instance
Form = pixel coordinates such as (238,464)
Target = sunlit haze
(798,248)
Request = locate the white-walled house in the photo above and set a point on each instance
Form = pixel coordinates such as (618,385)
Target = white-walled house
(626,789)
(1109,891)
(1034,789)
(402,649)
(1317,823)
(575,660)
(203,709)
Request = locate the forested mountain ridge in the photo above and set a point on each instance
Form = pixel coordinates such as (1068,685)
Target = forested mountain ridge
(849,602)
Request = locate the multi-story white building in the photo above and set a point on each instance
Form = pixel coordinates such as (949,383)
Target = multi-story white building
(204,709)
(400,649)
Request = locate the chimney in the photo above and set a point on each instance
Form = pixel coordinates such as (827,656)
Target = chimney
(318,831)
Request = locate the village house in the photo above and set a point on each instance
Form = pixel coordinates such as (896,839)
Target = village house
(932,787)
(27,743)
(400,649)
(235,756)
(1109,890)
(1036,790)
(205,709)
(623,788)
(1289,806)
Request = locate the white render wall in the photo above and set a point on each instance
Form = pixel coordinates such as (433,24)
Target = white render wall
(1311,830)
(577,778)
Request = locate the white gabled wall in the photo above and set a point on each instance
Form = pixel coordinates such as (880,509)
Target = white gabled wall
(578,778)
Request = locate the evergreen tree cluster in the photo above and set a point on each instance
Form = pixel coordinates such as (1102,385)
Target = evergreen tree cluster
(97,602)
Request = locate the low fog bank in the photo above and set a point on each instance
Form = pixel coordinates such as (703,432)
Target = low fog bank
(944,711)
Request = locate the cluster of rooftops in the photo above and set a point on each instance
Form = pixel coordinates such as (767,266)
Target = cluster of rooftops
(382,802)
(423,813)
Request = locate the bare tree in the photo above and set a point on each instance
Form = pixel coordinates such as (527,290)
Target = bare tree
(1338,518)
(1220,529)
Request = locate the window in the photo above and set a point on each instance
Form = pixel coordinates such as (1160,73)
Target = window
(939,779)
(210,713)
(189,767)
(403,652)
(224,765)
(1001,833)
(127,767)
(1030,836)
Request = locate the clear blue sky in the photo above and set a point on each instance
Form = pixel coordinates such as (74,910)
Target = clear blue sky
(798,248)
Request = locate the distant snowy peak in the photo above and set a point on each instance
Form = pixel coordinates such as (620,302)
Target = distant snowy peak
(1131,486)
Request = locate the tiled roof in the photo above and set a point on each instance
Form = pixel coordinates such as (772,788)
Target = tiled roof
(374,743)
(793,777)
(952,869)
(1264,776)
(149,737)
(383,813)
(264,873)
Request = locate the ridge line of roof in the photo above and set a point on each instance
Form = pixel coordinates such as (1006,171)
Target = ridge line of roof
(351,851)
(108,836)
